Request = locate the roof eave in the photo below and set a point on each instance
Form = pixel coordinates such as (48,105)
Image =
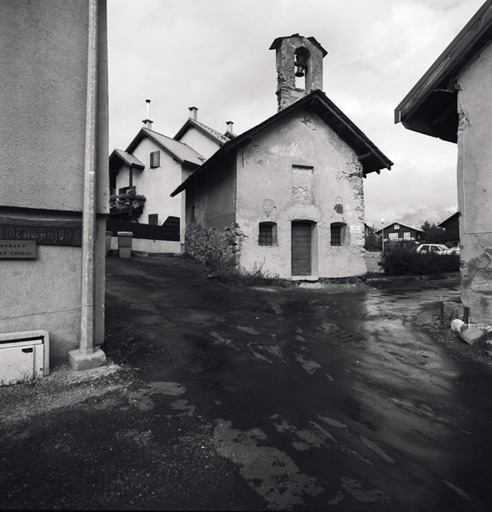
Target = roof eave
(417,111)
(377,162)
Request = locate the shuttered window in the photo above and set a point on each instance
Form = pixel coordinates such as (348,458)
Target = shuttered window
(155,159)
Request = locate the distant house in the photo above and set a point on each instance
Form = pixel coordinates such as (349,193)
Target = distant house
(452,102)
(398,232)
(368,230)
(451,227)
(286,197)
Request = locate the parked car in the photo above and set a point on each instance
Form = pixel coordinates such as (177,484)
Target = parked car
(437,248)
(454,250)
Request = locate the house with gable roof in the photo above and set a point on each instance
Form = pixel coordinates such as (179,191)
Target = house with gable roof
(287,195)
(153,165)
(452,102)
(398,232)
(201,137)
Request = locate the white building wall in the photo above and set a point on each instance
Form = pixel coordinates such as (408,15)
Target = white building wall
(200,143)
(156,184)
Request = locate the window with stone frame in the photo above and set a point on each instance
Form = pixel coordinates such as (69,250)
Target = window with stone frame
(267,233)
(337,234)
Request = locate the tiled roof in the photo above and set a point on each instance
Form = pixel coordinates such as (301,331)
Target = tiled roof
(219,137)
(182,152)
(370,156)
(430,107)
(127,158)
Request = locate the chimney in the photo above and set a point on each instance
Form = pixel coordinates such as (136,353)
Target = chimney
(193,113)
(147,122)
(230,127)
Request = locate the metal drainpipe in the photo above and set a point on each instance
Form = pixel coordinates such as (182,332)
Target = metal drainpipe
(88,217)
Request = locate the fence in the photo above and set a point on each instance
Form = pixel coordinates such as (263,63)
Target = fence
(168,231)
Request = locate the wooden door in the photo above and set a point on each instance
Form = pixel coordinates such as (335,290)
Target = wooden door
(301,248)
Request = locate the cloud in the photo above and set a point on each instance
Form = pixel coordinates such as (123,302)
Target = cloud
(214,54)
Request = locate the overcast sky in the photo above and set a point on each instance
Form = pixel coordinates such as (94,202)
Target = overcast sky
(214,54)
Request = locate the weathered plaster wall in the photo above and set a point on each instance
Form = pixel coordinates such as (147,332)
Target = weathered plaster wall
(211,198)
(265,193)
(42,140)
(475,186)
(287,91)
(200,142)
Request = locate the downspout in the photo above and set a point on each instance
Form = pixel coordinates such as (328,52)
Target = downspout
(86,356)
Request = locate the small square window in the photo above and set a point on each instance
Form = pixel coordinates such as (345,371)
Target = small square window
(155,159)
(267,233)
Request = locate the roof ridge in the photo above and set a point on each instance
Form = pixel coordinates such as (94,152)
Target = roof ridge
(218,134)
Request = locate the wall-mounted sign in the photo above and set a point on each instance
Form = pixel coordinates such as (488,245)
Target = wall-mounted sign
(14,250)
(355,229)
(42,232)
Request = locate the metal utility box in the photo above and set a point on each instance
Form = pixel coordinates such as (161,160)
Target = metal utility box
(24,356)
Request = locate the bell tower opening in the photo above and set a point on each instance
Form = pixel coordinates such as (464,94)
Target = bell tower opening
(301,64)
(299,67)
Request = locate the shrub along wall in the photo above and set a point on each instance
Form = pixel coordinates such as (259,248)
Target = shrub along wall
(402,259)
(218,249)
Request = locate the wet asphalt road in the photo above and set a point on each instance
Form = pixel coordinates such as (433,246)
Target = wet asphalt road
(280,399)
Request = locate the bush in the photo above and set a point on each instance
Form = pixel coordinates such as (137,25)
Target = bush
(401,259)
(372,242)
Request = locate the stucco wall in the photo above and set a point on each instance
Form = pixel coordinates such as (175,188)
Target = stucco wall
(200,142)
(475,186)
(156,184)
(42,102)
(265,193)
(42,141)
(46,294)
(139,245)
(211,198)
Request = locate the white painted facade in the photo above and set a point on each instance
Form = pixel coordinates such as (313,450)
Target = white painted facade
(156,183)
(201,143)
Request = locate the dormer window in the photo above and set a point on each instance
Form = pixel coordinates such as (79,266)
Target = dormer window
(155,159)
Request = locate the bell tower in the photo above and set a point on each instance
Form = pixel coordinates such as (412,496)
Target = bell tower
(299,67)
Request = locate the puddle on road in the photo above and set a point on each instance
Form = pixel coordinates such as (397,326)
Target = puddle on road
(141,398)
(268,471)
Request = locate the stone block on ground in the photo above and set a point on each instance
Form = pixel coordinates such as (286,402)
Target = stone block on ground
(471,333)
(488,347)
(452,310)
